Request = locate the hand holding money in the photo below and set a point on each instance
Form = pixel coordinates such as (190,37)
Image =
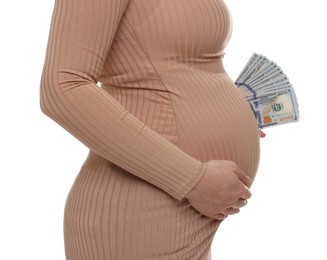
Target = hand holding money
(269,92)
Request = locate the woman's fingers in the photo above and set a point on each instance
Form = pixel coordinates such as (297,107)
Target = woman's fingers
(231,211)
(240,203)
(242,176)
(246,193)
(222,187)
(220,216)
(236,207)
(262,134)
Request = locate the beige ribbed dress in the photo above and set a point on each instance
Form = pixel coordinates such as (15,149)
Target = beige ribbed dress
(142,85)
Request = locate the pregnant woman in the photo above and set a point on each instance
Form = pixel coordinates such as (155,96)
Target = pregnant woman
(173,146)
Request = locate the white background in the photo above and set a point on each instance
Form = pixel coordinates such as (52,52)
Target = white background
(286,216)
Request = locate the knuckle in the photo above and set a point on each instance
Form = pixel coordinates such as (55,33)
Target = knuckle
(241,191)
(220,216)
(237,211)
(234,165)
(232,211)
(243,203)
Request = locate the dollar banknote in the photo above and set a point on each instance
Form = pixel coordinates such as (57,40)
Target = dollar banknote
(270,93)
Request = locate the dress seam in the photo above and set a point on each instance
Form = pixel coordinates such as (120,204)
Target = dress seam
(163,84)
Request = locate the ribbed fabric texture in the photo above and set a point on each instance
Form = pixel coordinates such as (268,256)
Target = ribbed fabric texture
(142,85)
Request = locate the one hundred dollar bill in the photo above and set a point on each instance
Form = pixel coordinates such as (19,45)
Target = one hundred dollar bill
(275,108)
(271,95)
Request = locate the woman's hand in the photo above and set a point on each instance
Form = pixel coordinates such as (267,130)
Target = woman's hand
(221,191)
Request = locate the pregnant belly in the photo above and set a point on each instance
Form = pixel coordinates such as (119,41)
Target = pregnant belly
(205,116)
(216,122)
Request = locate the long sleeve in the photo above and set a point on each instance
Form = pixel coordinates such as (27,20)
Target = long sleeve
(80,37)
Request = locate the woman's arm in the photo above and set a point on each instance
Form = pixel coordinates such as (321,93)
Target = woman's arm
(80,37)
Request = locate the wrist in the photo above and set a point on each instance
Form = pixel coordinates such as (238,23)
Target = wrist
(193,190)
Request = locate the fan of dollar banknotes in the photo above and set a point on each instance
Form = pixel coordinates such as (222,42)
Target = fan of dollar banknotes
(271,95)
